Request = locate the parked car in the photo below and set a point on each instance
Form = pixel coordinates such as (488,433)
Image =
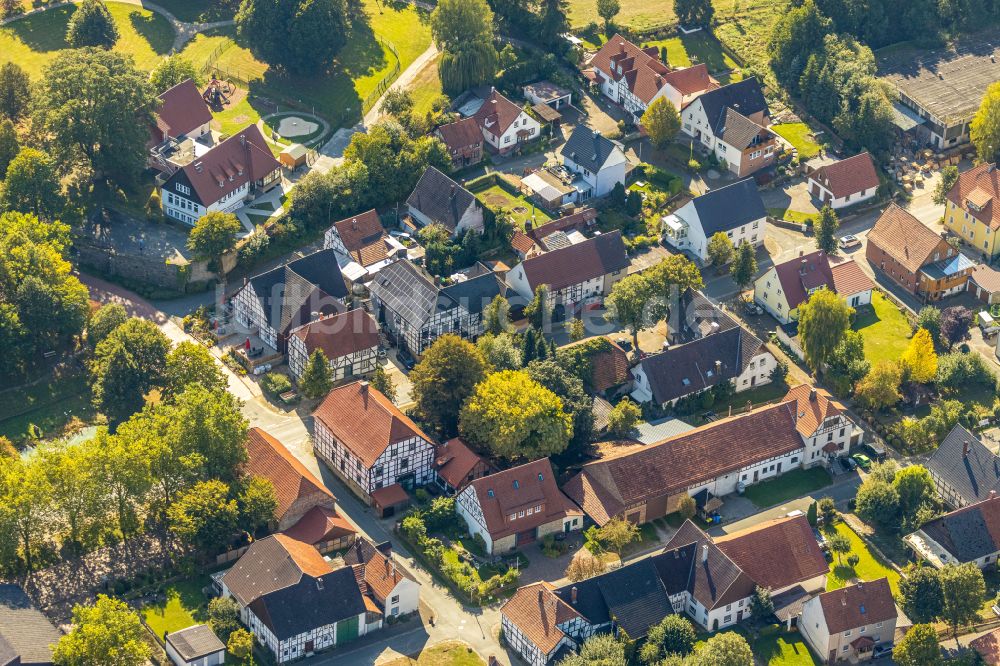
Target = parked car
(882,651)
(407,360)
(851,464)
(752,308)
(863,461)
(849,242)
(821,540)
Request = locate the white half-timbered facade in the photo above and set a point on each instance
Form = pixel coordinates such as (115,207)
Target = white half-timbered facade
(349,340)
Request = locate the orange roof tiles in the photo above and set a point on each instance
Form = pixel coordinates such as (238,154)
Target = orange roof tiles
(904,238)
(776,553)
(268,458)
(340,334)
(848,278)
(813,406)
(365,421)
(536,611)
(642,70)
(850,176)
(390,496)
(691,80)
(455,461)
(320,524)
(979,186)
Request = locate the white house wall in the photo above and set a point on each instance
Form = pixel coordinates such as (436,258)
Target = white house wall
(467,506)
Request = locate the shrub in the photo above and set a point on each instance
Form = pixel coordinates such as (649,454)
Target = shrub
(694,165)
(275,383)
(422,496)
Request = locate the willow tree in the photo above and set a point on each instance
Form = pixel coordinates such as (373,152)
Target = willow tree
(463,30)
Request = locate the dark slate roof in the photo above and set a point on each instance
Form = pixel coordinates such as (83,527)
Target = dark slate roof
(744,96)
(738,130)
(310,604)
(195,642)
(693,366)
(969,533)
(287,292)
(636,597)
(441,199)
(588,148)
(24,628)
(406,289)
(729,207)
(973,475)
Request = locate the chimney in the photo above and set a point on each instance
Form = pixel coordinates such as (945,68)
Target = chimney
(319,583)
(541,597)
(812,394)
(572,595)
(452,191)
(843,599)
(704,553)
(718,367)
(965,449)
(993,494)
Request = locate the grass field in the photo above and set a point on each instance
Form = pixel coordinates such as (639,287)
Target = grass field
(783,649)
(885,329)
(337,94)
(790,215)
(798,134)
(520,209)
(185,605)
(788,486)
(426,87)
(700,47)
(50,405)
(34,41)
(449,653)
(871,566)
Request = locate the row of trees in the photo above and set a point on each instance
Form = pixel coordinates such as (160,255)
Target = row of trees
(882,22)
(303,36)
(672,642)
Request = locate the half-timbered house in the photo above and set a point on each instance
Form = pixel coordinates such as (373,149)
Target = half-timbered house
(349,340)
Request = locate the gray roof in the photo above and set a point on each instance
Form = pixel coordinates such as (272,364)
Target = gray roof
(310,603)
(968,533)
(729,207)
(441,199)
(745,96)
(588,148)
(289,293)
(8,655)
(738,130)
(972,475)
(699,364)
(650,432)
(195,642)
(24,628)
(411,293)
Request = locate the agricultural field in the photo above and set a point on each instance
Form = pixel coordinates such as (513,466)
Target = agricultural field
(33,41)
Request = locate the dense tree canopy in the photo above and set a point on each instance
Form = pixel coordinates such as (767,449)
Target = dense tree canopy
(515,417)
(32,185)
(300,35)
(692,13)
(551,374)
(127,365)
(91,25)
(661,122)
(15,91)
(823,321)
(919,647)
(463,30)
(921,595)
(95,109)
(9,145)
(171,71)
(189,363)
(213,235)
(445,377)
(204,517)
(107,632)
(985,128)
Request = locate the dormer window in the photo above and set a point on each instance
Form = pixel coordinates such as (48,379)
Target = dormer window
(516,484)
(489,493)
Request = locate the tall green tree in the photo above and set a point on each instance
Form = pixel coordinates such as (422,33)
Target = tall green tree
(661,122)
(623,417)
(32,185)
(392,162)
(127,365)
(316,380)
(15,91)
(879,389)
(95,109)
(823,321)
(608,10)
(125,475)
(106,632)
(633,303)
(256,503)
(598,650)
(744,267)
(794,37)
(949,176)
(502,352)
(724,649)
(825,229)
(26,495)
(204,517)
(538,311)
(985,128)
(496,316)
(515,417)
(91,25)
(673,635)
(554,376)
(213,235)
(302,36)
(9,146)
(445,377)
(694,12)
(919,647)
(207,423)
(463,30)
(382,382)
(963,590)
(171,71)
(720,249)
(921,594)
(107,318)
(190,363)
(76,493)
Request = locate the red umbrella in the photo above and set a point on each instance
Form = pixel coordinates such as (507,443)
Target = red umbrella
(246,345)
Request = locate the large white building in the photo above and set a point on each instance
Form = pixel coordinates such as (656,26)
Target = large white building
(599,163)
(735,210)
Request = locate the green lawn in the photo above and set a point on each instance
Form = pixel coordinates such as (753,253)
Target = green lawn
(425,88)
(885,329)
(185,605)
(783,649)
(790,215)
(700,47)
(34,41)
(871,567)
(338,94)
(520,209)
(788,486)
(199,11)
(799,135)
(50,405)
(449,653)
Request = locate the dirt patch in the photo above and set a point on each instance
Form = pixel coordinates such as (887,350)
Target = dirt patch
(497,201)
(520,210)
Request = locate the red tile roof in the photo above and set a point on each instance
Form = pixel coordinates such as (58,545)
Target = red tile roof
(268,458)
(980,186)
(381,576)
(521,242)
(497,114)
(849,279)
(986,277)
(904,238)
(360,231)
(365,421)
(390,496)
(642,70)
(536,611)
(182,110)
(604,488)
(340,334)
(242,158)
(850,176)
(577,263)
(813,406)
(518,489)
(461,134)
(691,80)
(797,276)
(858,605)
(455,461)
(320,524)
(988,646)
(777,553)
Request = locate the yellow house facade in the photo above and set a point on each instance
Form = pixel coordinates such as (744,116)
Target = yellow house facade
(972,211)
